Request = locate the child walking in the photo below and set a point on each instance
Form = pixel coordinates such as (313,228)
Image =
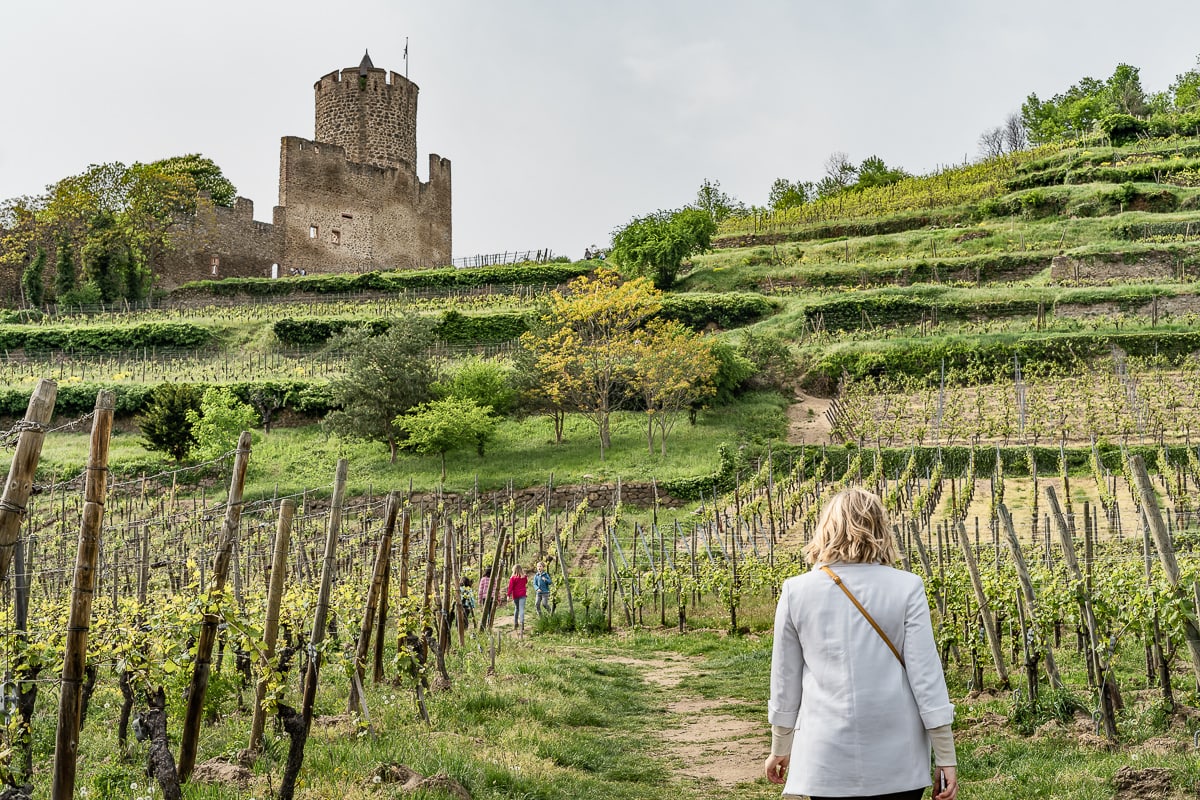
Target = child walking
(517,589)
(541,585)
(467,598)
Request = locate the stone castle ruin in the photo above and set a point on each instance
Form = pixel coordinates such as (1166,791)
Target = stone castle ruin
(349,198)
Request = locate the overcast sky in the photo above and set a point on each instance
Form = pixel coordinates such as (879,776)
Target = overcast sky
(562,118)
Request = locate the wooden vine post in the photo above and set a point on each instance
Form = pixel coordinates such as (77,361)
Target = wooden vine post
(374,592)
(70,707)
(1166,554)
(283,533)
(194,716)
(989,623)
(1105,684)
(19,483)
(322,611)
(566,578)
(1028,593)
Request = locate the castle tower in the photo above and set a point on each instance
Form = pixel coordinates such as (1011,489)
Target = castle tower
(370,113)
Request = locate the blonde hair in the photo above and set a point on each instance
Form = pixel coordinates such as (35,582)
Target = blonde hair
(853,528)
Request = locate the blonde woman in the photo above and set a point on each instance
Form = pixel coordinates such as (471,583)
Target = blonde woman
(858,697)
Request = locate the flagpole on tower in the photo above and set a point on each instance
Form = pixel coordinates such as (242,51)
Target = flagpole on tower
(406,57)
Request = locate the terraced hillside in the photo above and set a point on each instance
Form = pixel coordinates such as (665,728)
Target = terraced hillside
(1017,299)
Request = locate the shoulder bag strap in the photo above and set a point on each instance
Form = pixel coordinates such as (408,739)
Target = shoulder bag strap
(837,579)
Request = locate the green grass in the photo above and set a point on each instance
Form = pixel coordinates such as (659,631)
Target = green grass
(523,453)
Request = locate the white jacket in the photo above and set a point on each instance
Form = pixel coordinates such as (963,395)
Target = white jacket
(860,717)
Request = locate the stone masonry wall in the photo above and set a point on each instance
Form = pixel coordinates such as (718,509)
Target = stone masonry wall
(1100,268)
(373,118)
(337,215)
(349,200)
(242,247)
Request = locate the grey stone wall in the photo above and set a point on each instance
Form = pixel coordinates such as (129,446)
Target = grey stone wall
(349,200)
(337,215)
(373,118)
(241,246)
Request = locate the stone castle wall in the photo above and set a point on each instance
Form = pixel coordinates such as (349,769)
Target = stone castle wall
(349,199)
(372,117)
(337,215)
(218,242)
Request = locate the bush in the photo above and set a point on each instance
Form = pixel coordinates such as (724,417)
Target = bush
(1123,128)
(697,310)
(459,328)
(218,423)
(167,424)
(488,383)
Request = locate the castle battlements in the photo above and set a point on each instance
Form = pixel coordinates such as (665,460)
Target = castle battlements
(349,198)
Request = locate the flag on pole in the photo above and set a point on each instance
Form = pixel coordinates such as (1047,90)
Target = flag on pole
(406,56)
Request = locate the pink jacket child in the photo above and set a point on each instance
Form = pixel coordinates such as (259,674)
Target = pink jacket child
(517,590)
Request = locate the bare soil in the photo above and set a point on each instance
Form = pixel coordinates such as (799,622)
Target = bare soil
(807,423)
(702,741)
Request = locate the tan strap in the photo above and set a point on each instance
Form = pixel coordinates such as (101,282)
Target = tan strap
(837,579)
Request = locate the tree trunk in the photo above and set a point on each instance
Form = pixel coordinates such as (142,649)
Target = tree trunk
(161,762)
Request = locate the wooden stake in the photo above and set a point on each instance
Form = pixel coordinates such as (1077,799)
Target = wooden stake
(1166,554)
(193,718)
(66,742)
(19,484)
(391,510)
(989,623)
(1027,592)
(283,533)
(322,611)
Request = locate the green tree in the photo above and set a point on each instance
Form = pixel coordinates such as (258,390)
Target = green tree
(1185,91)
(1068,115)
(204,176)
(655,245)
(488,383)
(33,281)
(873,172)
(1125,92)
(106,257)
(789,194)
(165,425)
(218,422)
(385,377)
(673,369)
(444,425)
(716,203)
(136,205)
(64,268)
(582,348)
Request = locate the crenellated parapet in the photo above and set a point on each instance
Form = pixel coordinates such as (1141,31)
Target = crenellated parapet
(349,198)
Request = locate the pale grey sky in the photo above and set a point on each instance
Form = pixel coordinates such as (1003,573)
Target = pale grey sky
(562,118)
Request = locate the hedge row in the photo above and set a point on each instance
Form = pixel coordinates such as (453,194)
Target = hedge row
(308,398)
(508,274)
(106,338)
(454,327)
(992,357)
(696,310)
(1138,172)
(724,309)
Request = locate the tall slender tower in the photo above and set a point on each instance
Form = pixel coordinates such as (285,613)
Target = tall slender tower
(369,112)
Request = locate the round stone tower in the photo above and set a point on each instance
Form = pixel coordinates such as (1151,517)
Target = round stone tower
(369,112)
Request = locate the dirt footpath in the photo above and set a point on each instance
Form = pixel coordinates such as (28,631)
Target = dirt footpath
(699,740)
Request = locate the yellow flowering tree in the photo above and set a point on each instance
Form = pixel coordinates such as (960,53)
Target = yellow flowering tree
(583,350)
